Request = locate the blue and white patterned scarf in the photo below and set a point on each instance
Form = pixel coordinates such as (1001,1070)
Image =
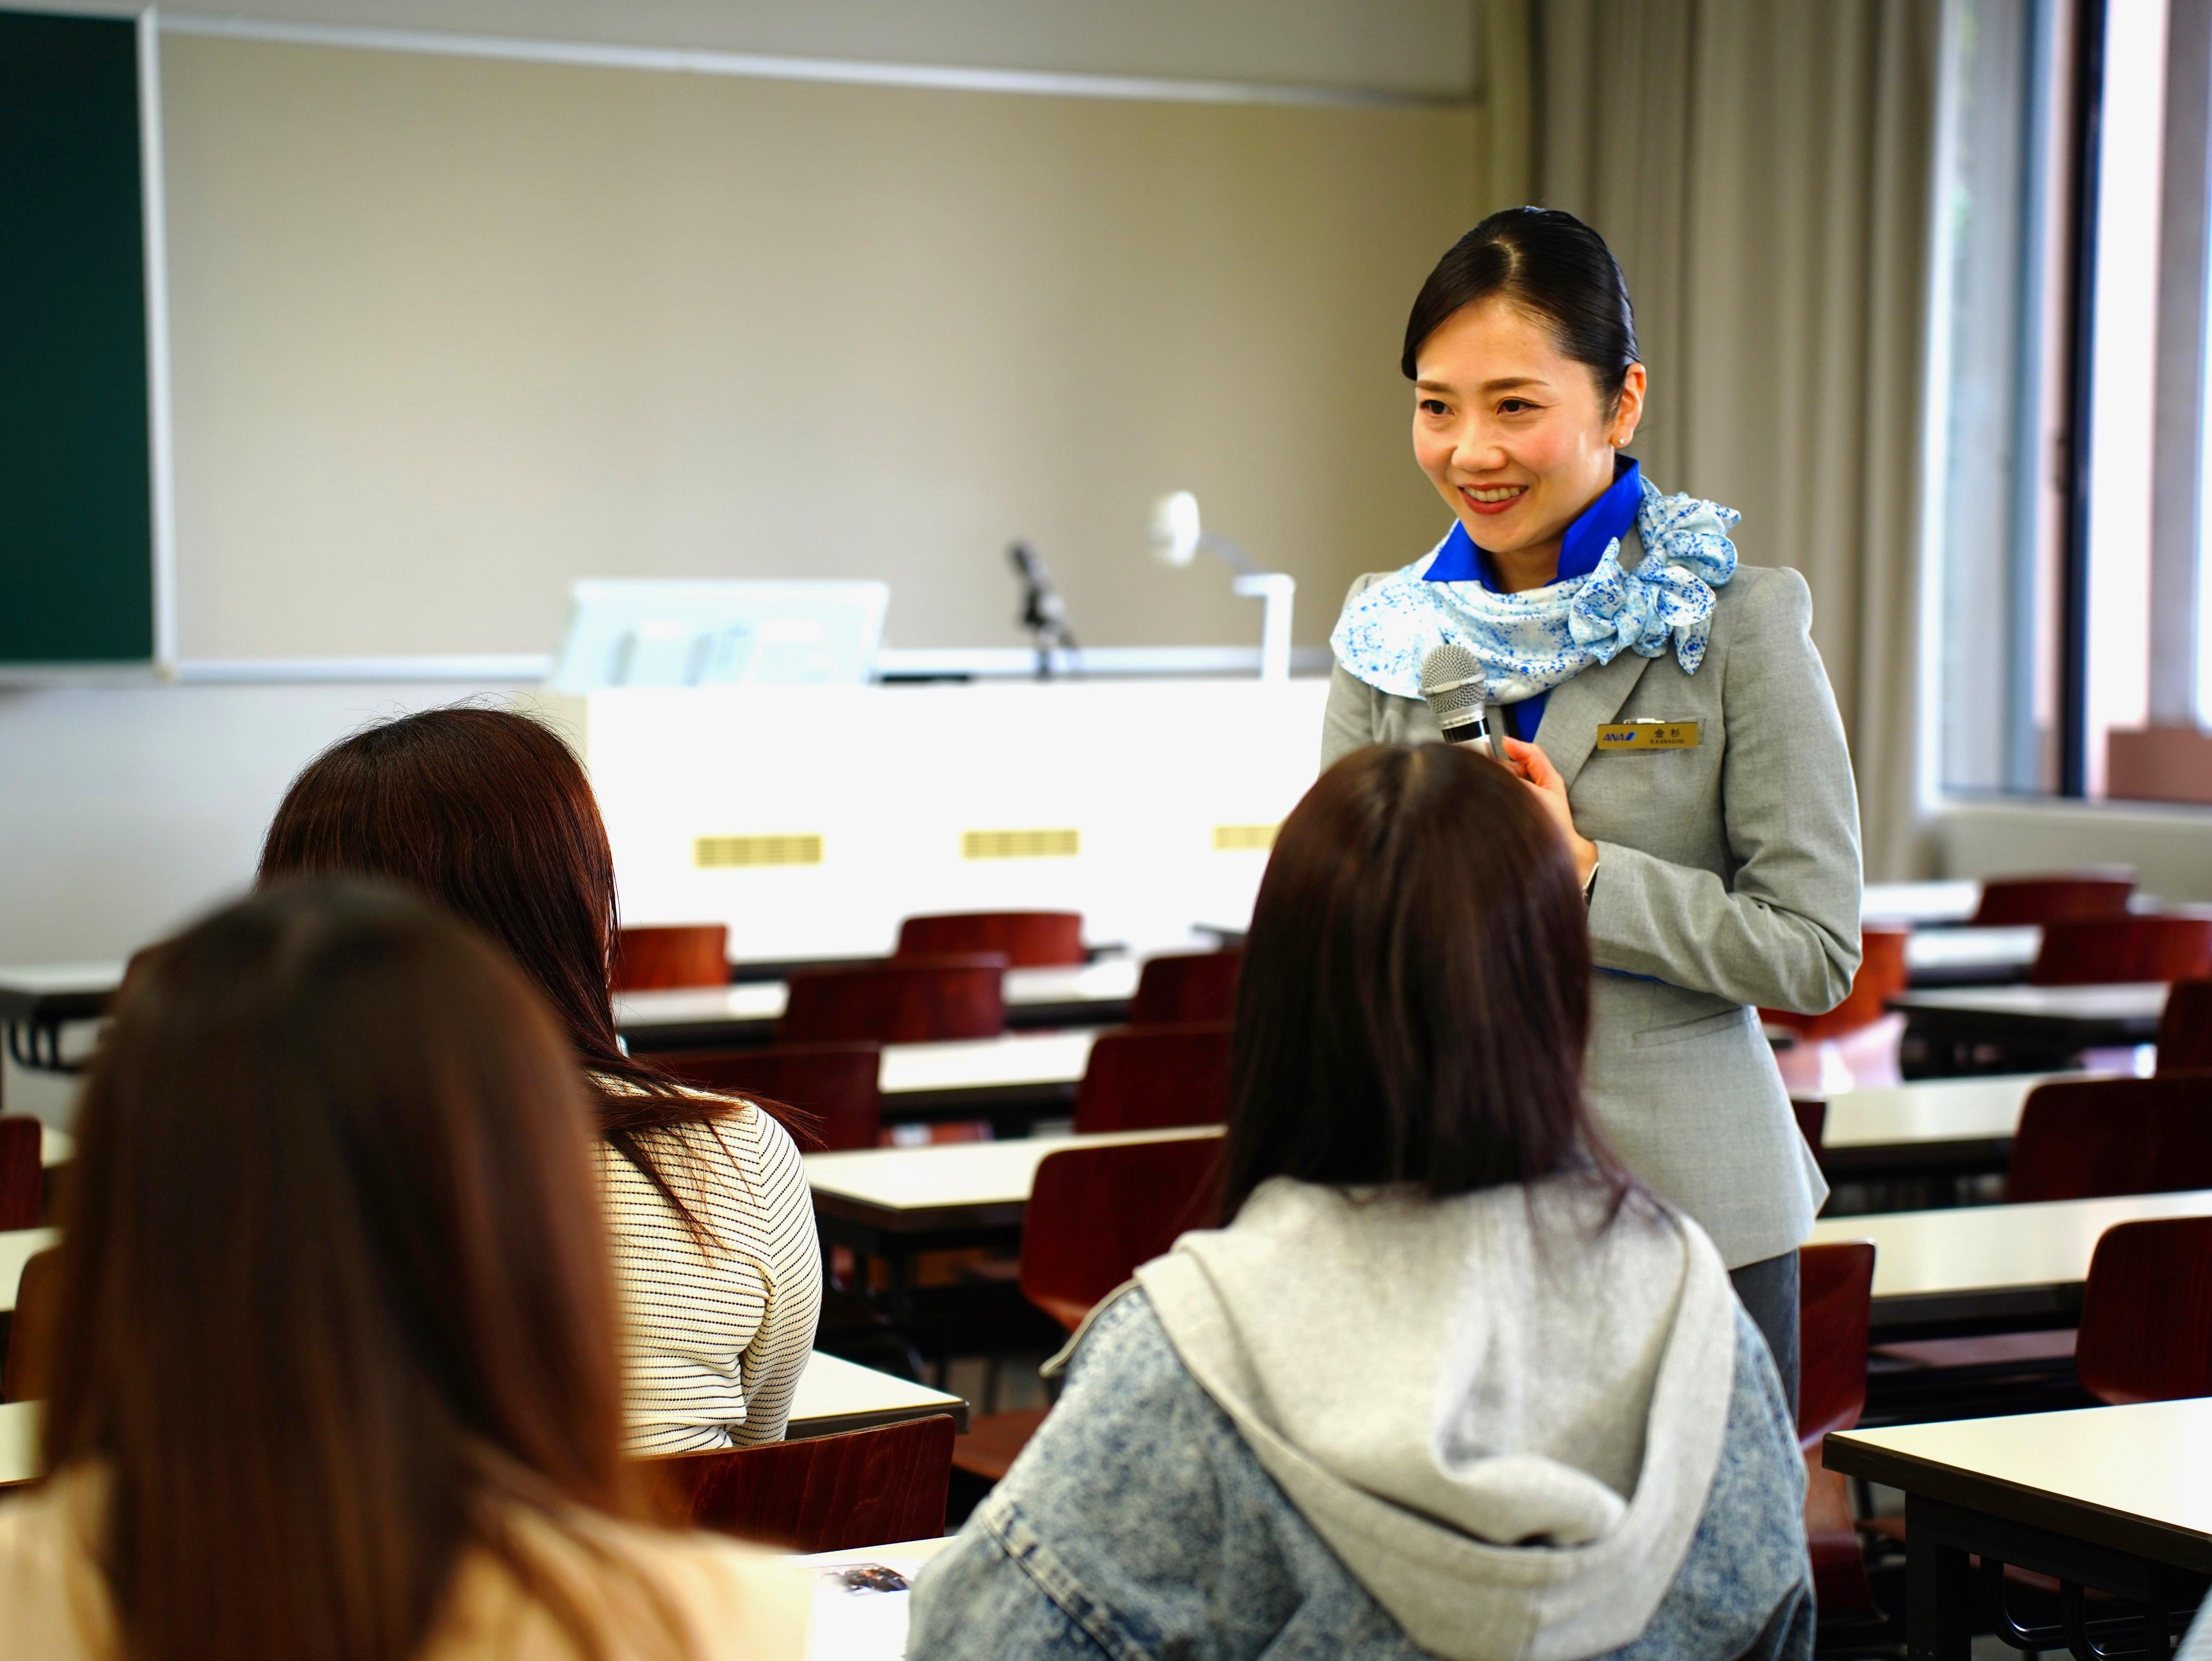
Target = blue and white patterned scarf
(1530,642)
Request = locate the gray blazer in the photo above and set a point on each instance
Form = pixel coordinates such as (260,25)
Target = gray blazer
(1728,877)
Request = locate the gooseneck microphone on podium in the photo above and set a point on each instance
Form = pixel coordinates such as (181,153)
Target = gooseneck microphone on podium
(1457,693)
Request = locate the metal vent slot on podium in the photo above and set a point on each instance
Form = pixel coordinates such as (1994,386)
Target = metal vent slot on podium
(1020,844)
(708,853)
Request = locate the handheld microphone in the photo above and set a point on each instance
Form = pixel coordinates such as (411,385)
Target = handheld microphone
(1457,693)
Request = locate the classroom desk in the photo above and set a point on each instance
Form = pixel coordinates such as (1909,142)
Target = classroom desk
(1013,1080)
(19,1442)
(736,1016)
(17,1247)
(892,1203)
(1922,903)
(2119,1498)
(2039,1024)
(833,1395)
(867,1625)
(1934,1126)
(1992,1268)
(1971,957)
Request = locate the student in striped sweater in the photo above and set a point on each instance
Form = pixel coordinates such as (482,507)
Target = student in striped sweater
(490,814)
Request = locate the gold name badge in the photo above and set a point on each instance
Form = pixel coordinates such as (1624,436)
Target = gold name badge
(1648,735)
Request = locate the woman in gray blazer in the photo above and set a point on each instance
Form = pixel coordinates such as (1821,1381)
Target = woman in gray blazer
(1666,704)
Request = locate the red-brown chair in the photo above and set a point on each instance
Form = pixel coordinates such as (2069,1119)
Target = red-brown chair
(916,1000)
(23,1175)
(30,1329)
(1881,976)
(2146,1330)
(2010,902)
(657,960)
(2080,1139)
(1094,1214)
(2184,1030)
(1029,940)
(1155,1078)
(1813,1126)
(2131,948)
(1185,986)
(866,1487)
(1836,1297)
(836,1085)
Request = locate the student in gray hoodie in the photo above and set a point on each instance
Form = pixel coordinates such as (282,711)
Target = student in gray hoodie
(1446,1381)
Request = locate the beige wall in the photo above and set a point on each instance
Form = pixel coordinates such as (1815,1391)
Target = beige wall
(1417,47)
(449,332)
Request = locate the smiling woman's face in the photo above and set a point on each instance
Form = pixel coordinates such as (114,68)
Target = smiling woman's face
(1515,434)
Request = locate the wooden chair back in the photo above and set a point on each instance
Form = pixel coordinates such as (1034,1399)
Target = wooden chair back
(914,1000)
(866,1488)
(23,1172)
(1836,1294)
(1028,940)
(657,960)
(1095,1214)
(1881,977)
(1835,1291)
(2146,1332)
(1155,1078)
(1187,986)
(1812,1125)
(30,1329)
(836,1085)
(2061,896)
(2131,948)
(2080,1139)
(2184,1029)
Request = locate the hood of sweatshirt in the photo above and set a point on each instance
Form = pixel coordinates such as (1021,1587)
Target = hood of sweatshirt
(1503,1412)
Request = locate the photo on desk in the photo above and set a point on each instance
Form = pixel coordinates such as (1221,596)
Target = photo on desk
(860,1608)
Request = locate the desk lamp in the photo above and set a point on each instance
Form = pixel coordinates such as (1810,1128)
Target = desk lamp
(1177,535)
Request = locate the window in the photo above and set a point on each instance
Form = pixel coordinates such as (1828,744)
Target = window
(2072,430)
(2003,328)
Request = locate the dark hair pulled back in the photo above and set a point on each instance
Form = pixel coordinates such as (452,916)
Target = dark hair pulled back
(1550,264)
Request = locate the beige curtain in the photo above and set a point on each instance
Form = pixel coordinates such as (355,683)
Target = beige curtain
(1763,170)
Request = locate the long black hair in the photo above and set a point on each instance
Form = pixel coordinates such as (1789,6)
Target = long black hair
(1550,264)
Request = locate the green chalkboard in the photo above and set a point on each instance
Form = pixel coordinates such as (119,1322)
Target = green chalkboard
(77,536)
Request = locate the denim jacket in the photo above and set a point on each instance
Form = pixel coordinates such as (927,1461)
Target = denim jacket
(1139,1523)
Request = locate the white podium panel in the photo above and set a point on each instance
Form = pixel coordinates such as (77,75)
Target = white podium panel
(811,820)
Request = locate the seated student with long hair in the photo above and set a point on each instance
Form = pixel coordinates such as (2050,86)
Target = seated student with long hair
(1446,1381)
(335,1372)
(490,813)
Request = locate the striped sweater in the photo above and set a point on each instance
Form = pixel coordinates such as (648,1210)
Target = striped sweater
(717,1337)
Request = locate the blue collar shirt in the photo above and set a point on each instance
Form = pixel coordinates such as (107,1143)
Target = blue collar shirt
(1461,560)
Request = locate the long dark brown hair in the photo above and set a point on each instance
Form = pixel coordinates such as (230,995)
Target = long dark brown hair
(335,1284)
(1415,994)
(490,813)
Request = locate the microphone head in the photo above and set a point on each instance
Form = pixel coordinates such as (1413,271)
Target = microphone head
(1453,686)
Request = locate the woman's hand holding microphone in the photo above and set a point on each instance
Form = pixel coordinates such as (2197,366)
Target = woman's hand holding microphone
(1535,770)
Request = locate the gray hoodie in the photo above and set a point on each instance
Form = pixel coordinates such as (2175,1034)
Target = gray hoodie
(1510,1419)
(1489,1426)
